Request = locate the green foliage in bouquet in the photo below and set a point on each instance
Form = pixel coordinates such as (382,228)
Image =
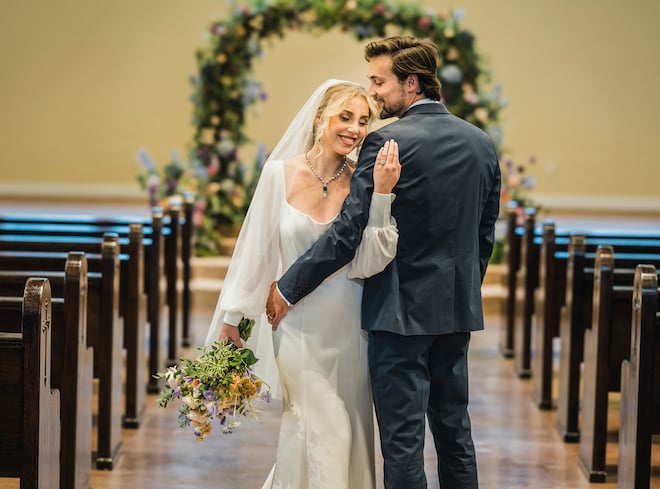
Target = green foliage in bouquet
(225,86)
(219,384)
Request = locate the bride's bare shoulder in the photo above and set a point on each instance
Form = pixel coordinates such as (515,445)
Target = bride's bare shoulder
(292,164)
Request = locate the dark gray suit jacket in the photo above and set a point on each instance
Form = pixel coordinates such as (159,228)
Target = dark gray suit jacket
(446,207)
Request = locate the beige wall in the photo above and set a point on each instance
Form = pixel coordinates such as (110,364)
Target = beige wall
(85,84)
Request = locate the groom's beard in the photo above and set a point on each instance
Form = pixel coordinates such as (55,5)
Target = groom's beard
(391,111)
(394,109)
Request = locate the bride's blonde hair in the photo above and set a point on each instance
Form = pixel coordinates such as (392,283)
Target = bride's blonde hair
(334,101)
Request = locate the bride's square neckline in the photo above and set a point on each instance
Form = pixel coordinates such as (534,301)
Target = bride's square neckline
(316,221)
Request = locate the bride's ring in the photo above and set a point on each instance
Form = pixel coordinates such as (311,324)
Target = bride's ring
(381,161)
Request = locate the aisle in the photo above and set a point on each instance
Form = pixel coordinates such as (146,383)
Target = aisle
(516,443)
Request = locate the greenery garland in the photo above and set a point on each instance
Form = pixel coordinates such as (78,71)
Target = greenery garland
(225,87)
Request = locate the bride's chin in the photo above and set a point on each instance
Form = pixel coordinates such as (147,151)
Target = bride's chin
(352,148)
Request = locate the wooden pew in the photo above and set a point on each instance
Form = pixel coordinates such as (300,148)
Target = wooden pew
(187,248)
(548,299)
(550,295)
(640,403)
(512,263)
(154,277)
(30,421)
(132,302)
(606,345)
(105,334)
(71,366)
(576,317)
(178,235)
(523,241)
(527,279)
(173,297)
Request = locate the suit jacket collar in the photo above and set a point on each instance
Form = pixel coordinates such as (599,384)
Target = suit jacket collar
(430,108)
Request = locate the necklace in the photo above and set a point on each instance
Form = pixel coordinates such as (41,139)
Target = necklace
(316,174)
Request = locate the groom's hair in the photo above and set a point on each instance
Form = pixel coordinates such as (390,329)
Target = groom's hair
(410,56)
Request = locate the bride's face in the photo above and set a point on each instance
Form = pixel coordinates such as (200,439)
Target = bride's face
(347,129)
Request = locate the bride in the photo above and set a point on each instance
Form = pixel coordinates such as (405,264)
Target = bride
(316,359)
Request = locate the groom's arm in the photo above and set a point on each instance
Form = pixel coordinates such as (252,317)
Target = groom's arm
(336,247)
(489,216)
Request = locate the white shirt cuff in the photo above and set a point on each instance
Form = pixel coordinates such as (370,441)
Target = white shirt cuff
(282,295)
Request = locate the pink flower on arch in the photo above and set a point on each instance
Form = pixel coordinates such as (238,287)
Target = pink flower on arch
(424,22)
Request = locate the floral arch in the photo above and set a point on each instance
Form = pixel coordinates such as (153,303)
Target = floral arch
(225,87)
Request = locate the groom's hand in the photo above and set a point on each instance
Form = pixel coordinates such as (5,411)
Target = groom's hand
(276,306)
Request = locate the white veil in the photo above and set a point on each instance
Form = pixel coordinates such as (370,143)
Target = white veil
(255,262)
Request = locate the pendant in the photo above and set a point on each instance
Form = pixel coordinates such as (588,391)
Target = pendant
(325,190)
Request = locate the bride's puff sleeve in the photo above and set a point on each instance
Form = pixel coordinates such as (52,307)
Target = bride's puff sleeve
(379,239)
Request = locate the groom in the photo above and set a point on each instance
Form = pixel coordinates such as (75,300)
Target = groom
(420,310)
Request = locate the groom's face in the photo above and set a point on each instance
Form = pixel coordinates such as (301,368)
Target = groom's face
(385,88)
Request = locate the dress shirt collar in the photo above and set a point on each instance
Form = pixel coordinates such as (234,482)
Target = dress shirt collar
(423,101)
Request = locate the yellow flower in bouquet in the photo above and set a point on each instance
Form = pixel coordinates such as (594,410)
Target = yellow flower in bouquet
(219,384)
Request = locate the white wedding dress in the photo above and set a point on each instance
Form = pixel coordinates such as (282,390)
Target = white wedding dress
(326,439)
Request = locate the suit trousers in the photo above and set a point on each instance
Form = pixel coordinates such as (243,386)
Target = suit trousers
(413,377)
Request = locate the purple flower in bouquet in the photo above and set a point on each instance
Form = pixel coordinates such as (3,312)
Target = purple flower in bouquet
(212,409)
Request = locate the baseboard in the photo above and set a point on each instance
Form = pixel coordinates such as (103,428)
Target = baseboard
(616,204)
(73,192)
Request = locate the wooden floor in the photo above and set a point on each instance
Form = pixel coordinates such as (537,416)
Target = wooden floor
(517,446)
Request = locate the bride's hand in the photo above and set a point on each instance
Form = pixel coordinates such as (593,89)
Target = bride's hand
(387,168)
(229,332)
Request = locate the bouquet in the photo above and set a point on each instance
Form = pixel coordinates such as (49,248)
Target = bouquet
(219,384)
